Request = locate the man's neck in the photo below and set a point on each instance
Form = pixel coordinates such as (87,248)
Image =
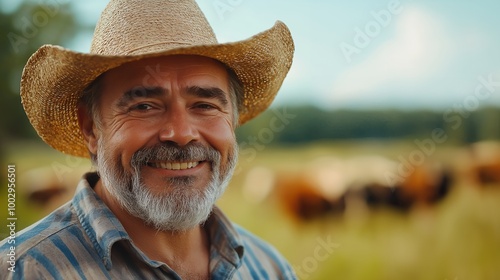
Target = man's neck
(183,251)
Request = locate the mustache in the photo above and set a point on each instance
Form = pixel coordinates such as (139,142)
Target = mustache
(174,153)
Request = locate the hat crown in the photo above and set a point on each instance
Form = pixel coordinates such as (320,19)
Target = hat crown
(133,27)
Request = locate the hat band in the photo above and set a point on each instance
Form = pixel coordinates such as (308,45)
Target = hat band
(162,46)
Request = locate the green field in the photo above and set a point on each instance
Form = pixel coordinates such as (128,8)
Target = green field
(459,238)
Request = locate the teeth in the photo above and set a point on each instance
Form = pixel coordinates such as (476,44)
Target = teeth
(175,165)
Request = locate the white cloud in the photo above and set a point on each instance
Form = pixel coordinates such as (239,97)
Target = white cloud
(418,50)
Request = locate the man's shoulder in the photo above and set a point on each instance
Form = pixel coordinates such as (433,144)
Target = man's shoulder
(42,234)
(250,238)
(253,242)
(259,251)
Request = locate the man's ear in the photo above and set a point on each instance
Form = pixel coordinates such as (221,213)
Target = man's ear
(88,128)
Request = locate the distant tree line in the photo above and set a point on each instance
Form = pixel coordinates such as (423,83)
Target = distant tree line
(306,124)
(22,32)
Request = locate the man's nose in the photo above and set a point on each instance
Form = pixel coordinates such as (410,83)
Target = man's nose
(178,127)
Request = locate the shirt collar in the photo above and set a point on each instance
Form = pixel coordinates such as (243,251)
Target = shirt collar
(224,238)
(104,229)
(100,224)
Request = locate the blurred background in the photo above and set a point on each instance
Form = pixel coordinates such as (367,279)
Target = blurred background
(379,159)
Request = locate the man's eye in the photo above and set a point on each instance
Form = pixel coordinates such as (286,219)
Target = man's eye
(142,107)
(205,106)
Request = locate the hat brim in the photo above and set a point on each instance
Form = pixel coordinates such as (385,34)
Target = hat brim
(54,78)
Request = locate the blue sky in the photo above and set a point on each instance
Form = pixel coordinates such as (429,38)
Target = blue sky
(358,54)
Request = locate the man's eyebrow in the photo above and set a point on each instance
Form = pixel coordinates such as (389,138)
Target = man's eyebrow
(209,92)
(139,92)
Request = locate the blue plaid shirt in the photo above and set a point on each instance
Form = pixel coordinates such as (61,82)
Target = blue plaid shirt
(84,240)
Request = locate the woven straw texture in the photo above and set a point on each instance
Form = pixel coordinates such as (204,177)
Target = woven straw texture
(128,30)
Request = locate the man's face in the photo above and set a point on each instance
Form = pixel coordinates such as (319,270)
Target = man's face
(166,144)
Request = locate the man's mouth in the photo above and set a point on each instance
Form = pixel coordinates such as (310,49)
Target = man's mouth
(174,165)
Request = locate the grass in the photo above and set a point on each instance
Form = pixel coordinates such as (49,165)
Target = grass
(459,238)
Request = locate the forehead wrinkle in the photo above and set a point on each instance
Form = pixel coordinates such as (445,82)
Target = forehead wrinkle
(140,92)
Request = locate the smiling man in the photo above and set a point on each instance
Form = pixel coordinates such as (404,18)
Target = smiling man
(166,151)
(154,105)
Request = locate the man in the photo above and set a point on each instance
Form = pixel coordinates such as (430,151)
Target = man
(154,105)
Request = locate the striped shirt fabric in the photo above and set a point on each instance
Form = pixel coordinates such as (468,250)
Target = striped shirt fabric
(84,240)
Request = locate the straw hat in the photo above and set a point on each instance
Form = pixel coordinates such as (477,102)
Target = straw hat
(128,30)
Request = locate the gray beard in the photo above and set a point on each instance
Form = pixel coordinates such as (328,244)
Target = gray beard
(184,207)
